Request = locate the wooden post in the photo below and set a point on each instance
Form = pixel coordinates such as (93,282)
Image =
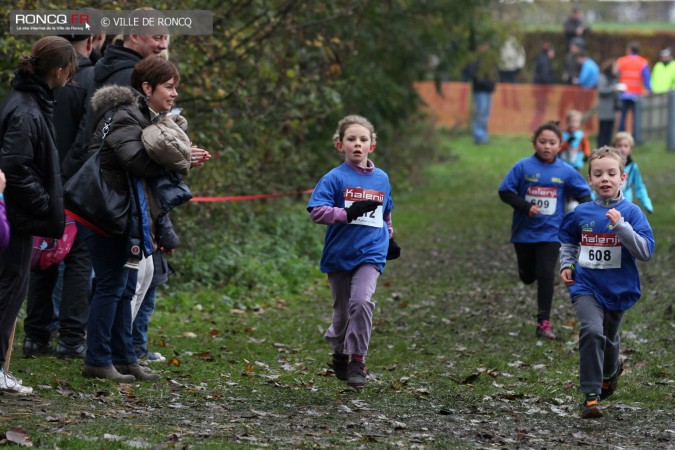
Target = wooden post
(8,356)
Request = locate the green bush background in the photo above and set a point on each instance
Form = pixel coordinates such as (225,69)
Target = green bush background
(264,94)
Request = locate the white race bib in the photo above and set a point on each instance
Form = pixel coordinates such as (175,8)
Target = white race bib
(370,219)
(546,198)
(600,251)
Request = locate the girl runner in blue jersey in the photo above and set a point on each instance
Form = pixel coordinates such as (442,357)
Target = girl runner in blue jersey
(600,241)
(354,200)
(537,188)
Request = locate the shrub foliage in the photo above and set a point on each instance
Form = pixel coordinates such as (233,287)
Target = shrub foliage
(264,93)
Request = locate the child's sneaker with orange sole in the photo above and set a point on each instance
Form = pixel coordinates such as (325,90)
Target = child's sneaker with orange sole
(590,408)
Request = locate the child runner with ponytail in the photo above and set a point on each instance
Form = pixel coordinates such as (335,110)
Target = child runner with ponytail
(536,188)
(354,200)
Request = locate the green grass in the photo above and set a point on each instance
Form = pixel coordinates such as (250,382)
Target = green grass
(453,356)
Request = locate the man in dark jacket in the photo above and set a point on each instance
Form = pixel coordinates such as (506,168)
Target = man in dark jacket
(73,299)
(543,65)
(543,78)
(480,72)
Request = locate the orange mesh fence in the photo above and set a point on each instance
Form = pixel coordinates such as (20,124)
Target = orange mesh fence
(516,108)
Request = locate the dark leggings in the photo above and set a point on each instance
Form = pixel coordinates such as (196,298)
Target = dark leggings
(536,262)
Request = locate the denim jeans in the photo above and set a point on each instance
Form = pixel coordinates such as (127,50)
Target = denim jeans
(140,325)
(626,105)
(58,294)
(605,132)
(482,101)
(109,325)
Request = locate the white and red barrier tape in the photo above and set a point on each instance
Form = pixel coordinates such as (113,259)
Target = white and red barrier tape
(235,198)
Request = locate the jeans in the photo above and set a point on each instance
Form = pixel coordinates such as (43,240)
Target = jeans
(74,308)
(58,295)
(626,105)
(109,327)
(605,132)
(482,101)
(140,325)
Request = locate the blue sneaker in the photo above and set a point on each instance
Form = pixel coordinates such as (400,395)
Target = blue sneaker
(150,356)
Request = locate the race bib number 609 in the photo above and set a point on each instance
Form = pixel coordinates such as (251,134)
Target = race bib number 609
(546,198)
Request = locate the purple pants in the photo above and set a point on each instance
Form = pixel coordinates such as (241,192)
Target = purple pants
(352,309)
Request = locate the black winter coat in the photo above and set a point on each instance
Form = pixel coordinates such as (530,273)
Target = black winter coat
(124,154)
(543,69)
(116,66)
(123,151)
(480,80)
(30,160)
(69,116)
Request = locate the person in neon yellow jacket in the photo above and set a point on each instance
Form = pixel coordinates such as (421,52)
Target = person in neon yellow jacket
(663,73)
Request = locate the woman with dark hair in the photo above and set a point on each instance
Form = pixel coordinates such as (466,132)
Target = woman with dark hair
(125,118)
(30,160)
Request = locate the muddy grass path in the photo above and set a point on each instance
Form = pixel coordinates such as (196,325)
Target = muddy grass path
(454,364)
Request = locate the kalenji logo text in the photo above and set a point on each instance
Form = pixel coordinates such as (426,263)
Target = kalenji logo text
(600,239)
(538,191)
(356,194)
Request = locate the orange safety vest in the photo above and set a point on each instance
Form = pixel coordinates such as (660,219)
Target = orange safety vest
(630,73)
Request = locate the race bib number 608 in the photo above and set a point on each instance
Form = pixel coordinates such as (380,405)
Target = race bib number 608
(600,251)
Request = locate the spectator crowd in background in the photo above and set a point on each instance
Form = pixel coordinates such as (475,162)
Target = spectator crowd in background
(617,81)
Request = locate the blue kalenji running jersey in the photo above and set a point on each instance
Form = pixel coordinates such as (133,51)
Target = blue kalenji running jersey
(605,268)
(547,185)
(365,240)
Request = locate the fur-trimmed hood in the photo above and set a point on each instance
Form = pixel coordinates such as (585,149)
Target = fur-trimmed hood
(108,97)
